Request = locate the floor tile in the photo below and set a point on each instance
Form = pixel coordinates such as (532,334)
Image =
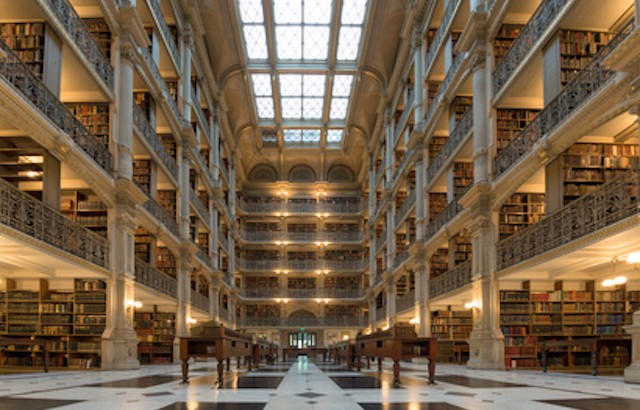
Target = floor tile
(607,403)
(475,383)
(357,382)
(253,382)
(16,403)
(409,406)
(139,382)
(214,406)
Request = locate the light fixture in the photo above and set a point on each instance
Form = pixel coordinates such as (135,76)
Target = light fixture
(318,300)
(134,304)
(278,300)
(345,337)
(278,243)
(326,301)
(285,300)
(326,272)
(474,304)
(318,272)
(277,272)
(617,281)
(285,214)
(318,244)
(278,214)
(286,272)
(633,258)
(191,321)
(414,321)
(325,243)
(386,327)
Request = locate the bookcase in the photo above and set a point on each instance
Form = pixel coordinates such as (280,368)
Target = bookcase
(577,49)
(455,36)
(341,311)
(167,199)
(3,312)
(144,243)
(261,282)
(299,227)
(503,40)
(435,146)
(342,282)
(509,123)
(27,40)
(172,86)
(462,176)
(142,174)
(437,203)
(143,100)
(170,144)
(461,244)
(85,208)
(301,283)
(439,262)
(451,328)
(520,211)
(302,256)
(459,107)
(432,90)
(166,261)
(95,118)
(263,310)
(99,29)
(588,165)
(155,332)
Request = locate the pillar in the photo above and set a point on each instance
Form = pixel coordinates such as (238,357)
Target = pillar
(422,312)
(216,143)
(632,372)
(119,340)
(373,313)
(421,209)
(214,296)
(51,180)
(418,87)
(187,36)
(391,302)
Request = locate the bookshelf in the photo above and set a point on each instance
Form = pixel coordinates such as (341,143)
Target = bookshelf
(143,100)
(301,283)
(155,332)
(95,118)
(459,107)
(27,40)
(437,203)
(85,208)
(3,312)
(342,282)
(270,310)
(166,261)
(261,282)
(435,146)
(461,244)
(588,165)
(142,174)
(451,328)
(515,309)
(439,262)
(144,243)
(577,49)
(167,199)
(101,33)
(172,86)
(341,311)
(170,144)
(432,90)
(503,40)
(520,211)
(462,176)
(455,36)
(509,123)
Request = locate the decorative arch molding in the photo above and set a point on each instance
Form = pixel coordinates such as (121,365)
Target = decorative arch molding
(302,314)
(302,173)
(340,173)
(263,173)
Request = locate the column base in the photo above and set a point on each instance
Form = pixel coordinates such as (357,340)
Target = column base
(486,349)
(632,373)
(120,349)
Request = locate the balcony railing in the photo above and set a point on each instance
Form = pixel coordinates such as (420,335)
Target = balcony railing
(225,173)
(155,279)
(449,212)
(400,258)
(81,37)
(451,73)
(145,129)
(161,214)
(341,321)
(451,280)
(304,265)
(408,108)
(156,11)
(524,44)
(155,72)
(400,167)
(380,241)
(609,204)
(199,113)
(321,293)
(379,173)
(262,236)
(224,241)
(406,206)
(453,143)
(25,214)
(443,28)
(199,206)
(22,78)
(585,84)
(381,313)
(406,302)
(199,301)
(349,265)
(293,207)
(204,257)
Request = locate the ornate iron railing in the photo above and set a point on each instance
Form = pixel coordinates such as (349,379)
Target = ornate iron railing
(351,265)
(381,313)
(155,72)
(341,321)
(402,121)
(450,280)
(23,80)
(200,113)
(225,173)
(204,257)
(141,123)
(25,214)
(406,301)
(453,71)
(200,301)
(199,206)
(406,206)
(320,293)
(354,236)
(224,241)
(524,44)
(609,204)
(156,11)
(155,279)
(443,28)
(444,217)
(453,143)
(81,37)
(400,258)
(380,241)
(161,214)
(305,265)
(379,172)
(398,171)
(585,84)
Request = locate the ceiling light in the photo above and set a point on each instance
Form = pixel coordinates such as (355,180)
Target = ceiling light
(633,258)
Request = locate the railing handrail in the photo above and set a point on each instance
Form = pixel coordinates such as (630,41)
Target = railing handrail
(405,301)
(288,293)
(451,73)
(200,301)
(321,264)
(38,220)
(443,28)
(452,209)
(200,207)
(144,127)
(406,205)
(155,279)
(162,215)
(453,142)
(408,108)
(249,235)
(261,321)
(155,71)
(156,11)
(451,280)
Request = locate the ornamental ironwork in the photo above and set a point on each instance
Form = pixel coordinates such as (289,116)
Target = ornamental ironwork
(451,280)
(144,128)
(453,143)
(155,279)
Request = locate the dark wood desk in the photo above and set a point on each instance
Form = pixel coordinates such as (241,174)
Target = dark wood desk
(397,343)
(458,349)
(586,345)
(308,351)
(11,341)
(264,350)
(218,342)
(344,352)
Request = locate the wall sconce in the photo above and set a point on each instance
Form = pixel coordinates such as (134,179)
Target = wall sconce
(474,304)
(191,321)
(318,272)
(133,304)
(285,214)
(345,337)
(277,272)
(386,327)
(318,300)
(617,281)
(414,321)
(278,214)
(286,272)
(285,300)
(633,258)
(326,301)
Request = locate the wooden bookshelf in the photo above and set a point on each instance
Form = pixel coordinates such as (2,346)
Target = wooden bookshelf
(142,174)
(520,211)
(144,244)
(95,118)
(435,146)
(170,144)
(439,262)
(462,176)
(143,100)
(172,86)
(27,40)
(459,107)
(510,122)
(156,332)
(166,261)
(341,311)
(261,282)
(437,203)
(301,283)
(503,40)
(342,282)
(263,310)
(167,199)
(85,208)
(101,33)
(577,49)
(462,251)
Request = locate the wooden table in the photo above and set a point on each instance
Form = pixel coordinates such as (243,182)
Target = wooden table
(397,343)
(264,349)
(344,352)
(11,341)
(308,351)
(458,349)
(591,345)
(218,342)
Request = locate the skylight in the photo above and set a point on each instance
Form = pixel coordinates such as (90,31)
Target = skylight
(301,59)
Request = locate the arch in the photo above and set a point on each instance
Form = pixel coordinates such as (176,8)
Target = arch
(302,314)
(340,173)
(302,173)
(263,173)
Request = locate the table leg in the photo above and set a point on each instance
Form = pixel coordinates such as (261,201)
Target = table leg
(45,359)
(238,360)
(379,364)
(249,360)
(594,362)
(432,371)
(396,373)
(228,363)
(221,372)
(185,370)
(368,362)
(544,360)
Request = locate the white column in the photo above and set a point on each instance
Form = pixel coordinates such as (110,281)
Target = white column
(418,86)
(391,302)
(214,297)
(477,5)
(216,143)
(187,36)
(422,311)
(632,372)
(421,209)
(388,153)
(637,3)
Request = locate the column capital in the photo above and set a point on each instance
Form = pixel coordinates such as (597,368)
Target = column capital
(187,36)
(128,50)
(416,37)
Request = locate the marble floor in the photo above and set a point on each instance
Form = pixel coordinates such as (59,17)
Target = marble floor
(304,385)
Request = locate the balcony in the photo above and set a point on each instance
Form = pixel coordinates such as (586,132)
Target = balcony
(448,79)
(23,213)
(525,43)
(453,143)
(156,12)
(297,207)
(380,241)
(609,204)
(158,212)
(307,322)
(379,173)
(320,293)
(202,119)
(199,206)
(271,236)
(199,301)
(144,128)
(406,206)
(451,280)
(400,258)
(32,89)
(162,86)
(155,279)
(65,16)
(381,313)
(204,257)
(400,167)
(402,121)
(406,302)
(303,265)
(573,96)
(443,29)
(450,211)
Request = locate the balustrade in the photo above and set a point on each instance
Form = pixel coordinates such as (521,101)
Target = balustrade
(161,214)
(402,121)
(451,73)
(156,11)
(141,123)
(403,210)
(449,212)
(453,143)
(406,301)
(199,206)
(438,37)
(450,280)
(199,301)
(155,279)
(400,258)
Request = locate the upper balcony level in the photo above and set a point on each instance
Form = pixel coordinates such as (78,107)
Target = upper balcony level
(304,206)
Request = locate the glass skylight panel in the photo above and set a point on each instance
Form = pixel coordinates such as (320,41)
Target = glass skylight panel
(342,85)
(287,11)
(316,42)
(334,136)
(288,44)
(348,42)
(291,107)
(251,11)
(290,84)
(261,84)
(311,136)
(317,11)
(353,11)
(292,136)
(256,41)
(312,108)
(313,85)
(265,107)
(339,108)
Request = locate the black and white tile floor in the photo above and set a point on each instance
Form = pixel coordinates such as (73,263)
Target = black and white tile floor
(304,385)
